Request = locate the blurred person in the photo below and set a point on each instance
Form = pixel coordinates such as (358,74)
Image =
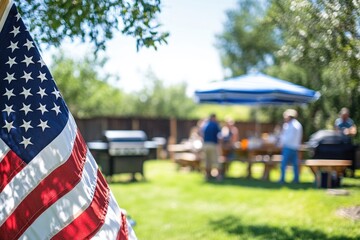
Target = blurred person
(195,131)
(229,136)
(211,133)
(290,140)
(195,136)
(345,124)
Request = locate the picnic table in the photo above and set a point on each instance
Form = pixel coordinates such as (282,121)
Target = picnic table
(267,154)
(333,169)
(262,155)
(185,155)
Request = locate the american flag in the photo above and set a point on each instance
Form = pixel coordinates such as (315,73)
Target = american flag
(50,185)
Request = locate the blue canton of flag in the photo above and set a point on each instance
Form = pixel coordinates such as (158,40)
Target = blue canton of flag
(32,110)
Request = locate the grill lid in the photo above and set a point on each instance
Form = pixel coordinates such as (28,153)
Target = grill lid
(122,143)
(125,136)
(326,137)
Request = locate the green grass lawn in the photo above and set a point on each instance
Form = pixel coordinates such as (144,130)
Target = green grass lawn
(172,204)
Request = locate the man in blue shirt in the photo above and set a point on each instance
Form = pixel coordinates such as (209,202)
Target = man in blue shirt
(345,124)
(210,132)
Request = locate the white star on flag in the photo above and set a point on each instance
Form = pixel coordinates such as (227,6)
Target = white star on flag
(56,109)
(42,108)
(26,92)
(29,44)
(13,46)
(56,93)
(43,125)
(15,31)
(42,76)
(9,93)
(8,109)
(41,62)
(26,108)
(26,125)
(10,77)
(26,142)
(27,76)
(11,61)
(41,92)
(27,60)
(8,125)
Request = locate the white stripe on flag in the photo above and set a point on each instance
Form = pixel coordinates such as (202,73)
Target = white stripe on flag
(112,222)
(51,157)
(4,149)
(67,208)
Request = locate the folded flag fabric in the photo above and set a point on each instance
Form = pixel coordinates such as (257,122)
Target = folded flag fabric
(50,185)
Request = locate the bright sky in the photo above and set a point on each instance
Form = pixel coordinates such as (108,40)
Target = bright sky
(189,56)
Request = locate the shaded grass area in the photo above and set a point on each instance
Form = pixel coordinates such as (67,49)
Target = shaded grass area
(172,204)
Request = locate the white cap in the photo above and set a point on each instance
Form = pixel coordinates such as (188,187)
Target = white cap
(290,113)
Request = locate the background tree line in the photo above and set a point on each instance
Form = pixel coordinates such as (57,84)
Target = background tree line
(89,93)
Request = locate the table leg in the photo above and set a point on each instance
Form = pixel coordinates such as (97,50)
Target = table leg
(267,169)
(249,170)
(318,179)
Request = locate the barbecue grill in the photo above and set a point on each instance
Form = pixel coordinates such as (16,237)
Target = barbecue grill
(330,144)
(122,151)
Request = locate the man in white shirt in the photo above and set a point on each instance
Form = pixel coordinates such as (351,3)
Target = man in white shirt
(290,140)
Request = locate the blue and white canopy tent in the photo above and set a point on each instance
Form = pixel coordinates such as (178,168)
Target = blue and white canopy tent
(255,89)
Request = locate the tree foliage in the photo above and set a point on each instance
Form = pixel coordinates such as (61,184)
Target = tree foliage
(85,92)
(248,41)
(96,21)
(323,38)
(88,94)
(157,100)
(318,47)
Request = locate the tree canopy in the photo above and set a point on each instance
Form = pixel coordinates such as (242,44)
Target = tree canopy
(95,21)
(155,99)
(314,43)
(248,41)
(86,93)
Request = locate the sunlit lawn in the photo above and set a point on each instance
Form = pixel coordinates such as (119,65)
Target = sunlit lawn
(174,204)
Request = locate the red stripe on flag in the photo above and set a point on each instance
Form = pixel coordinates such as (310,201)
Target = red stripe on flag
(123,233)
(49,190)
(9,167)
(91,220)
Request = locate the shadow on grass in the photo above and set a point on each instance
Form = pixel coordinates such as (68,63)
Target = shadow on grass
(258,183)
(234,226)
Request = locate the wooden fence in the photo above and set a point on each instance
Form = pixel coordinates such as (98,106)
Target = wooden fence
(175,129)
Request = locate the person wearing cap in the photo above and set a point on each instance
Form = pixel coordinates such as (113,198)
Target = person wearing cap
(290,141)
(345,124)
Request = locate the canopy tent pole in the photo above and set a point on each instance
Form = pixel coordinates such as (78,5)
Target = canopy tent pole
(257,124)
